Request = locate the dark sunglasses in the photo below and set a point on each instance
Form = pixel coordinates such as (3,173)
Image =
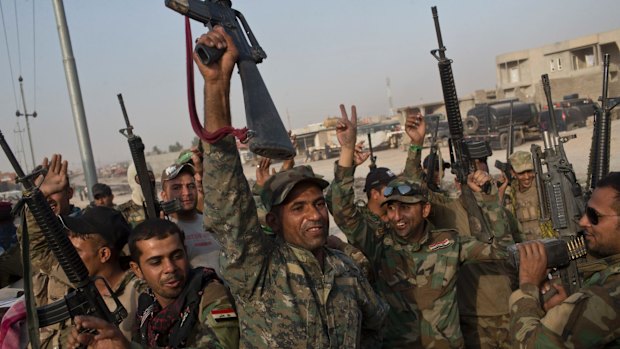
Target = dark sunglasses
(402,189)
(593,215)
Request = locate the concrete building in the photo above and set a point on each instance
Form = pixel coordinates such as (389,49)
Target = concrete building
(573,66)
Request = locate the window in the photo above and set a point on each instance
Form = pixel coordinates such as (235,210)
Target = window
(583,58)
(514,74)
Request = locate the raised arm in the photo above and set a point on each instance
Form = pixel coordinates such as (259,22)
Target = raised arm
(229,209)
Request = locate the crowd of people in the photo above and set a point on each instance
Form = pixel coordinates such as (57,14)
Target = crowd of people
(235,266)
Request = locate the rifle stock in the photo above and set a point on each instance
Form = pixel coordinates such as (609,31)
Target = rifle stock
(462,153)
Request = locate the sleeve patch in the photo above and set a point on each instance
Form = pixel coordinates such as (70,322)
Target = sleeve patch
(441,244)
(223,314)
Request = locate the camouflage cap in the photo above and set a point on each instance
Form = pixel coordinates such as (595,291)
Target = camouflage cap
(521,161)
(277,187)
(405,191)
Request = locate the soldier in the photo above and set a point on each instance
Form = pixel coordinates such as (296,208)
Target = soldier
(181,308)
(133,209)
(291,291)
(102,193)
(522,197)
(10,261)
(590,317)
(178,182)
(415,265)
(483,288)
(97,235)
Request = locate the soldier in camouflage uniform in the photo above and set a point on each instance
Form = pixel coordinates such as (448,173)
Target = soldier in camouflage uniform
(291,291)
(415,264)
(483,288)
(589,318)
(133,209)
(521,197)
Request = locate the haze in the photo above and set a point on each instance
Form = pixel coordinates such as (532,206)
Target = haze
(320,54)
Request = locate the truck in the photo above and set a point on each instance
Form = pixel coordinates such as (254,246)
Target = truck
(384,135)
(489,121)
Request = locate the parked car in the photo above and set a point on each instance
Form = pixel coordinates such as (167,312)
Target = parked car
(566,119)
(586,105)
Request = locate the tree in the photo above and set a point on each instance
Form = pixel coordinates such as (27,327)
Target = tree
(155,150)
(175,147)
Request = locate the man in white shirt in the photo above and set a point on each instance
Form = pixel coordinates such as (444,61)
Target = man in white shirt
(178,182)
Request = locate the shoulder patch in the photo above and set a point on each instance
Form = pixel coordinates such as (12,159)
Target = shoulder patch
(440,244)
(223,314)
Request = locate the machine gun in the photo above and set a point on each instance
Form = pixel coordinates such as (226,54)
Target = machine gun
(598,166)
(269,137)
(152,206)
(85,299)
(559,194)
(373,157)
(505,167)
(462,153)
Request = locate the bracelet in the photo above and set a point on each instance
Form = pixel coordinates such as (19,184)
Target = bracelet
(415,147)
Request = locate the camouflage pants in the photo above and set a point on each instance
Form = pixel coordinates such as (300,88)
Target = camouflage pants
(486,332)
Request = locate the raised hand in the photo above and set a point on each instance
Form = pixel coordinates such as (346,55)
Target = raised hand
(346,129)
(415,127)
(262,171)
(56,179)
(360,154)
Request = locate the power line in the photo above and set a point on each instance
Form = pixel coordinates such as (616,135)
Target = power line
(34,54)
(6,40)
(19,47)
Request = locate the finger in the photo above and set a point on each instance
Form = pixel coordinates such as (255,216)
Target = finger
(64,167)
(273,171)
(343,113)
(353,115)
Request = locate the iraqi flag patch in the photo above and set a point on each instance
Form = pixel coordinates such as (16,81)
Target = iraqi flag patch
(440,244)
(223,314)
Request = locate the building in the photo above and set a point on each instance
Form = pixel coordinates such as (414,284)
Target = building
(573,66)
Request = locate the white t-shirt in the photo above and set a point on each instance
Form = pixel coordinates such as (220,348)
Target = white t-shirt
(202,249)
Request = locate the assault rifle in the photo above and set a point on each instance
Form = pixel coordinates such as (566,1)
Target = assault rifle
(85,299)
(152,206)
(598,166)
(505,166)
(373,157)
(462,153)
(560,195)
(269,137)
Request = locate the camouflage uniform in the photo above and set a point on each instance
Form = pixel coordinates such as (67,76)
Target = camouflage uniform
(483,288)
(134,214)
(51,284)
(524,205)
(589,318)
(418,280)
(284,299)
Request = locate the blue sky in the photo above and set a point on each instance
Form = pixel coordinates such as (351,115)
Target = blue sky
(320,53)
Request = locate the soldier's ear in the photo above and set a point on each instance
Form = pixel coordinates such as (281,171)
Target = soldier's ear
(136,269)
(104,254)
(273,221)
(426,209)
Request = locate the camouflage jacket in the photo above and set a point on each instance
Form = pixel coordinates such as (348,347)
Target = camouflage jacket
(416,279)
(589,318)
(134,214)
(284,299)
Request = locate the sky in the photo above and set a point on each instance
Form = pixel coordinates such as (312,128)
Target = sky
(319,54)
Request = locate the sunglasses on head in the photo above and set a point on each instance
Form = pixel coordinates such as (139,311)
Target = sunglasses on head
(593,215)
(402,189)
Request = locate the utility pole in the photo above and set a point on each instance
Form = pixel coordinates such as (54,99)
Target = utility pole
(19,130)
(26,115)
(389,96)
(75,95)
